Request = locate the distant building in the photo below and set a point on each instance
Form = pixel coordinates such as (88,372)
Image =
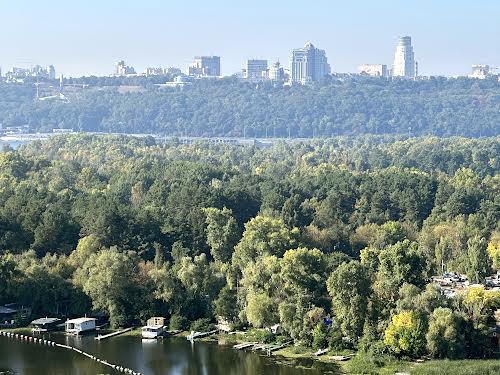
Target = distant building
(173,71)
(179,81)
(480,71)
(205,66)
(16,74)
(121,69)
(308,64)
(153,71)
(51,72)
(276,72)
(256,70)
(404,59)
(373,70)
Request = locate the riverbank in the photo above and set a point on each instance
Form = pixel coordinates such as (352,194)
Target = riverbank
(301,357)
(360,365)
(432,367)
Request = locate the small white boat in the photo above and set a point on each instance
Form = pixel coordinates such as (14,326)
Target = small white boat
(152,332)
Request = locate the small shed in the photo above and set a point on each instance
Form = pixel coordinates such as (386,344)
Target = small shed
(7,315)
(80,325)
(156,321)
(45,324)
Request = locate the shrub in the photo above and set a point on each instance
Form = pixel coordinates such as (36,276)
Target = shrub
(202,325)
(320,336)
(263,335)
(178,322)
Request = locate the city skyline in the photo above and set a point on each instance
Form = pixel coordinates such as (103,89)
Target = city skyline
(446,39)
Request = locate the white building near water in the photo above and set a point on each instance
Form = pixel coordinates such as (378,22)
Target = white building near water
(404,59)
(80,325)
(155,328)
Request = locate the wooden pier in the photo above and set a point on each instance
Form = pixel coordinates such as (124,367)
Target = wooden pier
(268,348)
(199,335)
(113,334)
(244,345)
(320,352)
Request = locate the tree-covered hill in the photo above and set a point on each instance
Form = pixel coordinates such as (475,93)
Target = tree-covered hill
(443,107)
(349,229)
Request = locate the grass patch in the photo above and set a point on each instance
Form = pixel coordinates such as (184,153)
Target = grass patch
(365,364)
(461,367)
(362,364)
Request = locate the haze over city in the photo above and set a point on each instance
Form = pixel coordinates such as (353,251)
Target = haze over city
(446,38)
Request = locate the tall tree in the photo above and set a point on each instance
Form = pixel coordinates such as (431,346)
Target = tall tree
(349,287)
(222,233)
(479,262)
(445,337)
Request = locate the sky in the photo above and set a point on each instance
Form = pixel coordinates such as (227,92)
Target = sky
(85,37)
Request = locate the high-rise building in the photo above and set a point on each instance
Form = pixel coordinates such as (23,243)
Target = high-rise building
(121,69)
(308,64)
(404,59)
(205,66)
(51,72)
(37,71)
(276,72)
(480,71)
(256,70)
(373,70)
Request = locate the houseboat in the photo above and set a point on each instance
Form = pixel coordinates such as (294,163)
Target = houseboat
(155,328)
(80,326)
(45,324)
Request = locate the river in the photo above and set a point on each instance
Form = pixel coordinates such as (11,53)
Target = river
(172,356)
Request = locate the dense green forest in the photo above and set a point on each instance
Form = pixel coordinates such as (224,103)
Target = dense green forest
(228,107)
(346,228)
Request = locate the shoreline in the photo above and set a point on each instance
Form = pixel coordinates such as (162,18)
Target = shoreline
(302,357)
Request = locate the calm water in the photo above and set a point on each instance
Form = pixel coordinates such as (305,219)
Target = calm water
(175,356)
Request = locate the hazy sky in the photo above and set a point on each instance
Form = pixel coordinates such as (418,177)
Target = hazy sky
(83,37)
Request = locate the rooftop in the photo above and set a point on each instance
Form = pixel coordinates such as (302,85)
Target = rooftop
(43,321)
(7,310)
(80,320)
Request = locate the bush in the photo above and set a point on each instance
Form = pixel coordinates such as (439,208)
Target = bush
(178,322)
(320,336)
(202,325)
(368,363)
(264,336)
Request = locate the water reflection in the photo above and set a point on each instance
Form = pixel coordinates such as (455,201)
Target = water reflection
(175,356)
